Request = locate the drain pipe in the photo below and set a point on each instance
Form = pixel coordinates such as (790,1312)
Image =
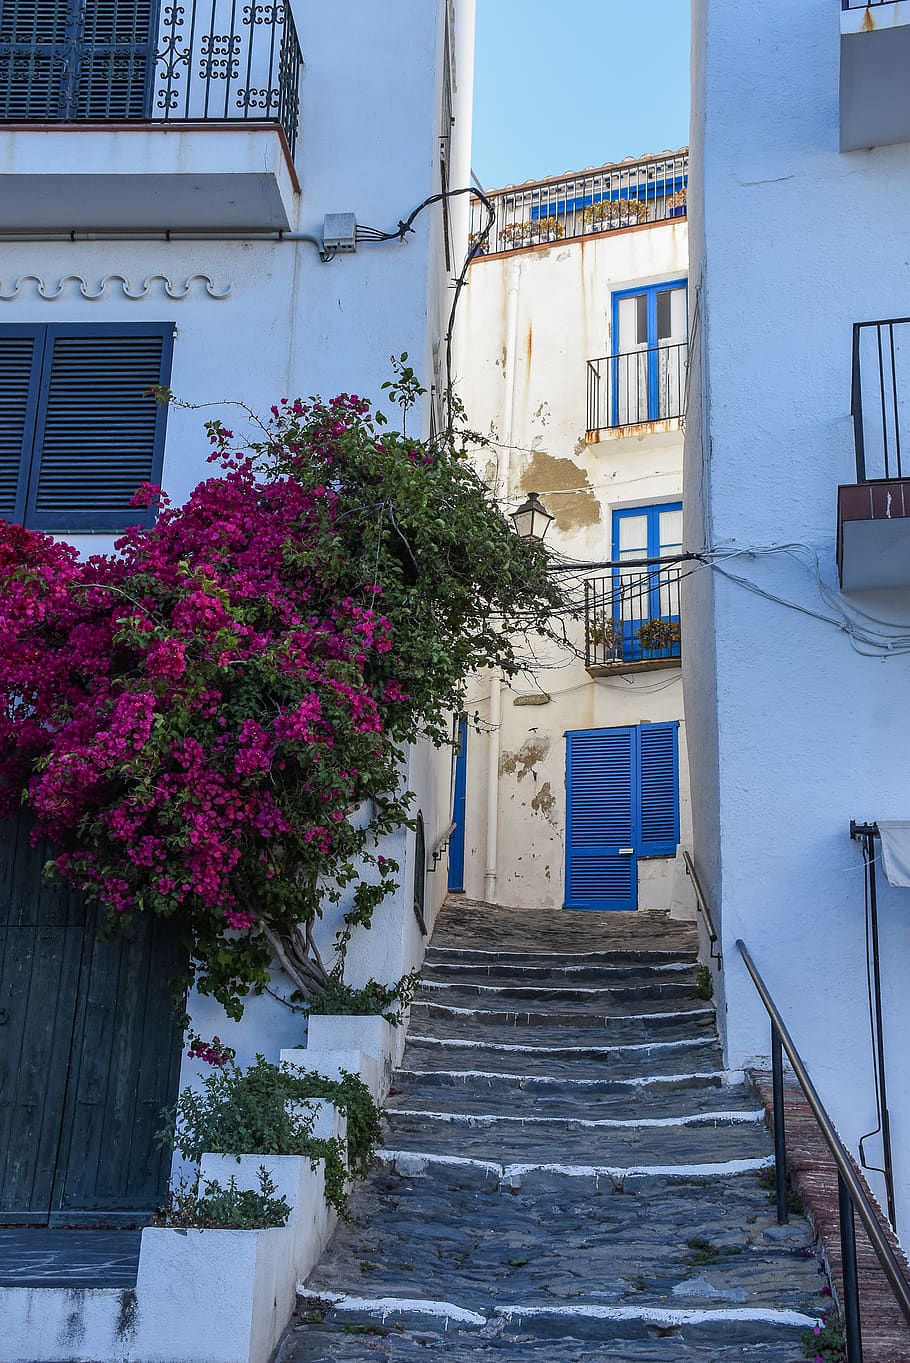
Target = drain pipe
(496,680)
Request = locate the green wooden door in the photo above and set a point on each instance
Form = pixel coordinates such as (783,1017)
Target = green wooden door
(89,1051)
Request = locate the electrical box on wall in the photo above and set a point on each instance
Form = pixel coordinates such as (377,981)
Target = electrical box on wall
(339,233)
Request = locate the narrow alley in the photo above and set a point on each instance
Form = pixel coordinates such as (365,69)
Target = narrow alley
(568,1173)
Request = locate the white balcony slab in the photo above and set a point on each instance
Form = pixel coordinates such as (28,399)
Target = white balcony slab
(874,89)
(153,176)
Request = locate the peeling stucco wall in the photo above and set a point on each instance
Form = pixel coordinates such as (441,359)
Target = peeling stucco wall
(561,319)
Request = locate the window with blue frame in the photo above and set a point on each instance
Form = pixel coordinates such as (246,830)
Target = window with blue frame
(79,431)
(646,598)
(650,349)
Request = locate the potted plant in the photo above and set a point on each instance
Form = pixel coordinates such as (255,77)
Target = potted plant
(657,635)
(606,634)
(676,205)
(607,214)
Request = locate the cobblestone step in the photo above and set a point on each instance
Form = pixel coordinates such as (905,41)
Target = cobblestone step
(568,1173)
(572,1058)
(343,1341)
(683,1245)
(581,973)
(482,1099)
(592,997)
(619,958)
(610,1146)
(656,1014)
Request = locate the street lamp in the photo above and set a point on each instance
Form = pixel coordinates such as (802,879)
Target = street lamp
(532,519)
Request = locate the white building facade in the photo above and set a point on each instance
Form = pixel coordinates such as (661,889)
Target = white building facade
(572,780)
(796,666)
(168,180)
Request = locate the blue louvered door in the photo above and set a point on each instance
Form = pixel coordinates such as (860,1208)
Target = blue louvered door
(621,804)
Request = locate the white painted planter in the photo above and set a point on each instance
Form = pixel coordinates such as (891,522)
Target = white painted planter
(365,1045)
(370,1034)
(213,1296)
(312,1219)
(331,1063)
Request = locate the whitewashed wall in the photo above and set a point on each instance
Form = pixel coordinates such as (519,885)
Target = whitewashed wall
(793,242)
(532,320)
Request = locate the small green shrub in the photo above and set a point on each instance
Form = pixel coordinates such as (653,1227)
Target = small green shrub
(704,985)
(230,1208)
(352,1097)
(825,1343)
(767,1177)
(390,1000)
(253,1112)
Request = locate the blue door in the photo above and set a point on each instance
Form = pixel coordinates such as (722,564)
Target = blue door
(622,803)
(456,842)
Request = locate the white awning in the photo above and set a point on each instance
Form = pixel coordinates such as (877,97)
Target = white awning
(895,838)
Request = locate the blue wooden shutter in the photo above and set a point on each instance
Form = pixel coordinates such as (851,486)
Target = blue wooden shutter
(20,372)
(659,790)
(33,58)
(98,436)
(602,798)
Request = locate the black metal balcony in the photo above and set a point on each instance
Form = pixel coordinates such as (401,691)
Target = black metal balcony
(627,194)
(119,60)
(632,619)
(637,387)
(873,518)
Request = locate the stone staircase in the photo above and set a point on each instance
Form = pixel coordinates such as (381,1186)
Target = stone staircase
(568,1173)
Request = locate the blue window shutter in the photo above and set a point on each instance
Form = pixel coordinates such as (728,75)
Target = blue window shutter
(20,373)
(602,799)
(659,789)
(97,435)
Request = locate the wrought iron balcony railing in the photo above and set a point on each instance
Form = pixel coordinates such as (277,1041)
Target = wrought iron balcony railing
(632,617)
(880,401)
(637,387)
(114,60)
(627,194)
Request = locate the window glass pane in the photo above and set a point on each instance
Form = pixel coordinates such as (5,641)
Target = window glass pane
(627,316)
(678,321)
(633,536)
(663,314)
(641,319)
(670,531)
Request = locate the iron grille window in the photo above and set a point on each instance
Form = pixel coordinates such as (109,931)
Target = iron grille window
(79,434)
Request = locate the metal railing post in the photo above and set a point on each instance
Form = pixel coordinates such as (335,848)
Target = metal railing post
(850,1304)
(780,1135)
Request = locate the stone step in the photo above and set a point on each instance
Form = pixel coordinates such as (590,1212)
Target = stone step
(453,972)
(342,1339)
(593,997)
(612,1025)
(559,960)
(589,1012)
(664,1245)
(612,1147)
(506,1085)
(482,1101)
(568,1173)
(569,1060)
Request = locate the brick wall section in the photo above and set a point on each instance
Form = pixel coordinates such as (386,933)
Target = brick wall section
(886,1334)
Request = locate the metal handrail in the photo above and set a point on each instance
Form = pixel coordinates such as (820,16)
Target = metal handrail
(703,908)
(852,1196)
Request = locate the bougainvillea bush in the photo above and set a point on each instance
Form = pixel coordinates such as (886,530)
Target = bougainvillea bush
(211,721)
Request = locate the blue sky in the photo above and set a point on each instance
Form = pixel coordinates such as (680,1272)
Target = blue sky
(561,86)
